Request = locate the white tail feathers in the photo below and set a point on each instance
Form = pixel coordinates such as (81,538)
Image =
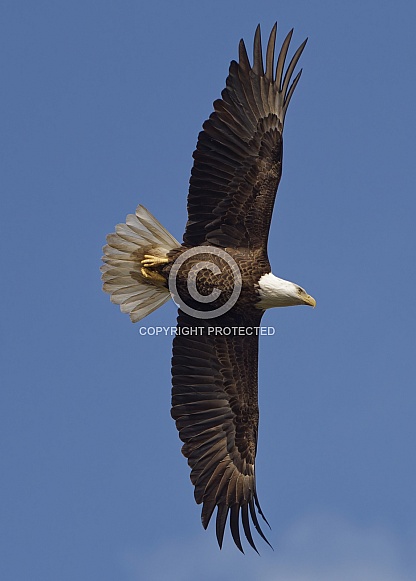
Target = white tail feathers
(121,272)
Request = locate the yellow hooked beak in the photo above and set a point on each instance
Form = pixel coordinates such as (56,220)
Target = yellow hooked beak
(308,300)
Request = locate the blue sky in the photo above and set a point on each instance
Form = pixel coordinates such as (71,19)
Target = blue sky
(102,103)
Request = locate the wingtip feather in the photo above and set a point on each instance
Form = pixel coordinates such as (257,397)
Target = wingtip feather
(246,526)
(281,59)
(243,59)
(222,514)
(258,53)
(270,53)
(234,526)
(256,522)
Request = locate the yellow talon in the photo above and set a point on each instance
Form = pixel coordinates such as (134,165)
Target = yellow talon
(150,261)
(151,275)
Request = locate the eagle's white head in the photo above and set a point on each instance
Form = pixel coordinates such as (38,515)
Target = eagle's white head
(277,292)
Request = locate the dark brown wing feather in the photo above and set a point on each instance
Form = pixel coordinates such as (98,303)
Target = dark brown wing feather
(238,159)
(214,403)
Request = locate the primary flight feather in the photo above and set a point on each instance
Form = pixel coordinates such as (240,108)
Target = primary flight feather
(236,172)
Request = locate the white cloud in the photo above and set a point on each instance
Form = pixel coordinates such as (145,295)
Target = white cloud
(317,548)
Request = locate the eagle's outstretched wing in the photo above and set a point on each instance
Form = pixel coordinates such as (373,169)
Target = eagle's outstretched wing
(238,158)
(214,403)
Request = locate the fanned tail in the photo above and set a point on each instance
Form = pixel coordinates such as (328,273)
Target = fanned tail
(122,270)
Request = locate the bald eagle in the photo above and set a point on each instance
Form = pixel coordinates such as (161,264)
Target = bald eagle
(235,175)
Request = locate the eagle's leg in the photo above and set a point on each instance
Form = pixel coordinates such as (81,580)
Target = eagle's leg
(149,263)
